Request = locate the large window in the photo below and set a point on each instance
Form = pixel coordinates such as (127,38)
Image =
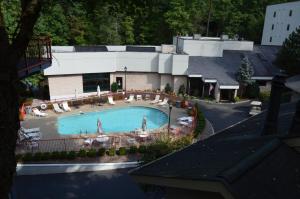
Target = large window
(91,81)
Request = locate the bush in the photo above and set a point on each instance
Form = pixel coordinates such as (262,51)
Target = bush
(55,155)
(142,149)
(252,91)
(114,87)
(168,88)
(71,155)
(46,156)
(236,99)
(101,151)
(111,152)
(19,157)
(181,90)
(82,153)
(133,150)
(27,157)
(122,151)
(264,96)
(182,142)
(63,155)
(91,153)
(200,121)
(156,150)
(37,156)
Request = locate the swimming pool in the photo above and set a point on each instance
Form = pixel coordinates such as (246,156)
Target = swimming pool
(113,120)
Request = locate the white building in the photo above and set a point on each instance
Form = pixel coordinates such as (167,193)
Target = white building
(280,21)
(205,66)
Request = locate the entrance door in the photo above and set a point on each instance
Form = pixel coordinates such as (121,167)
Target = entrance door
(120,82)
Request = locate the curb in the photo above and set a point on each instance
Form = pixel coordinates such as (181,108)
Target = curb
(232,103)
(37,169)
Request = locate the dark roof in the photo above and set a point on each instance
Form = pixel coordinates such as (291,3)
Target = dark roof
(140,49)
(224,68)
(90,48)
(234,154)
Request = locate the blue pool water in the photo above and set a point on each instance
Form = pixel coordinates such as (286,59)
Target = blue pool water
(113,120)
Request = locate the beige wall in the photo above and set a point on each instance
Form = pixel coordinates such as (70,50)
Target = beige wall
(178,81)
(266,88)
(64,86)
(138,81)
(164,79)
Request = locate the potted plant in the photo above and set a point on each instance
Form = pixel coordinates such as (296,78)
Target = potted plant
(185,102)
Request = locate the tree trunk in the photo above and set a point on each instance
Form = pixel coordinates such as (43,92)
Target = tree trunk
(9,125)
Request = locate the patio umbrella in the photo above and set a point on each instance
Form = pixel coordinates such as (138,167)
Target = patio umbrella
(75,94)
(98,91)
(144,124)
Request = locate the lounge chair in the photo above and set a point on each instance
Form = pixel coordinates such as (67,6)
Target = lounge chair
(131,97)
(110,100)
(66,106)
(139,97)
(156,100)
(56,108)
(187,124)
(33,134)
(38,113)
(185,119)
(165,102)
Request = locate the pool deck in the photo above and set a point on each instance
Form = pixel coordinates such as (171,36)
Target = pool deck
(48,126)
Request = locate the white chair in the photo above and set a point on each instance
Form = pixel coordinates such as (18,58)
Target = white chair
(185,119)
(66,106)
(139,97)
(110,100)
(131,97)
(57,109)
(165,102)
(38,113)
(156,100)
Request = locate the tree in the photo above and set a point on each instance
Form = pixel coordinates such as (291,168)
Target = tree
(245,72)
(12,47)
(127,31)
(288,57)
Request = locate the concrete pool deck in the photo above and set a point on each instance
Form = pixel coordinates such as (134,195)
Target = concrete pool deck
(48,124)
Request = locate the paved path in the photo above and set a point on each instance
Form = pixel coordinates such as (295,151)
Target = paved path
(104,184)
(224,115)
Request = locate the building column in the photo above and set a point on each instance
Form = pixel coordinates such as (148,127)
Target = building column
(235,93)
(217,93)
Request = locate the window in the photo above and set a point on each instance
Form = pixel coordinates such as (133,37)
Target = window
(288,27)
(291,12)
(272,26)
(270,39)
(274,14)
(91,81)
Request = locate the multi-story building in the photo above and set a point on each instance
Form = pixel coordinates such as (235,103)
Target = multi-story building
(280,21)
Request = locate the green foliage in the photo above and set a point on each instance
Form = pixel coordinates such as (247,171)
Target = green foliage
(55,155)
(122,151)
(142,149)
(82,153)
(288,57)
(168,88)
(181,89)
(114,87)
(71,155)
(252,90)
(111,152)
(200,121)
(101,151)
(236,99)
(245,72)
(27,157)
(264,96)
(91,153)
(133,150)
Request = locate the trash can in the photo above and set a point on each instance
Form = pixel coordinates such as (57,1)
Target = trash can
(178,104)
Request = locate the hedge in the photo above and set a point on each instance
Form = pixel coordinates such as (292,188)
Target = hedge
(200,122)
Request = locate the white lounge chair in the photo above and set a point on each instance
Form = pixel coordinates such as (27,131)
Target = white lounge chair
(111,101)
(187,124)
(139,97)
(66,106)
(31,130)
(156,100)
(131,97)
(185,119)
(57,109)
(165,102)
(38,113)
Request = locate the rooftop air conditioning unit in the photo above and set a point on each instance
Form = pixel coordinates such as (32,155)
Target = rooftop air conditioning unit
(197,36)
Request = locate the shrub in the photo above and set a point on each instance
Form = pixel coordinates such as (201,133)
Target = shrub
(37,156)
(181,89)
(168,88)
(182,142)
(252,90)
(264,96)
(142,149)
(156,150)
(46,156)
(101,151)
(133,150)
(55,155)
(236,99)
(111,152)
(82,153)
(19,157)
(71,155)
(27,157)
(200,121)
(114,87)
(91,153)
(63,155)
(122,151)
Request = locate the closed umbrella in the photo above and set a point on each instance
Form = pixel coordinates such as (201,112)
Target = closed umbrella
(75,94)
(98,91)
(99,126)
(144,124)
